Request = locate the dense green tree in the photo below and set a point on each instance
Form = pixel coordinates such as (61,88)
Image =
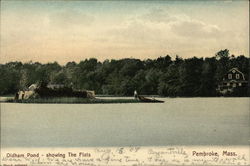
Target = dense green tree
(169,84)
(208,84)
(190,76)
(162,76)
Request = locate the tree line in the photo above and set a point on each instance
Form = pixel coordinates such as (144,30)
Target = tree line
(162,76)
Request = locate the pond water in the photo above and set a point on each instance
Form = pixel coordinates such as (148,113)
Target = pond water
(178,121)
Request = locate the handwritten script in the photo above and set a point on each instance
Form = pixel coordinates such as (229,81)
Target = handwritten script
(125,156)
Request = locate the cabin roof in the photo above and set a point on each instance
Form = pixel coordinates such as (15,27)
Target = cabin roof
(237,70)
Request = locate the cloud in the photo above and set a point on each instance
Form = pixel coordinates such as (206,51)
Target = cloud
(181,25)
(70,18)
(158,32)
(158,16)
(149,29)
(195,29)
(157,28)
(71,33)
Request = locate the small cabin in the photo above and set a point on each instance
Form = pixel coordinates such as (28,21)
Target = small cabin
(52,90)
(232,79)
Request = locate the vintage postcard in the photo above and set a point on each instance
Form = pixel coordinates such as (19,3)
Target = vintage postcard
(124,83)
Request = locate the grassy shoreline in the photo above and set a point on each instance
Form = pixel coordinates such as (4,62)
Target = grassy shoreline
(76,100)
(71,100)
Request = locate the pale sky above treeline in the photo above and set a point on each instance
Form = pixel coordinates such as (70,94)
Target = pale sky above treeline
(63,31)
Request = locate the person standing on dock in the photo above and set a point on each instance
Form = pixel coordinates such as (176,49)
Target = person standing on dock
(135,95)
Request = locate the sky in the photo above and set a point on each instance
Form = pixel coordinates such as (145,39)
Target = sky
(71,30)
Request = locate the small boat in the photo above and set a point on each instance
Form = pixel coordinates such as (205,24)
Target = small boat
(149,100)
